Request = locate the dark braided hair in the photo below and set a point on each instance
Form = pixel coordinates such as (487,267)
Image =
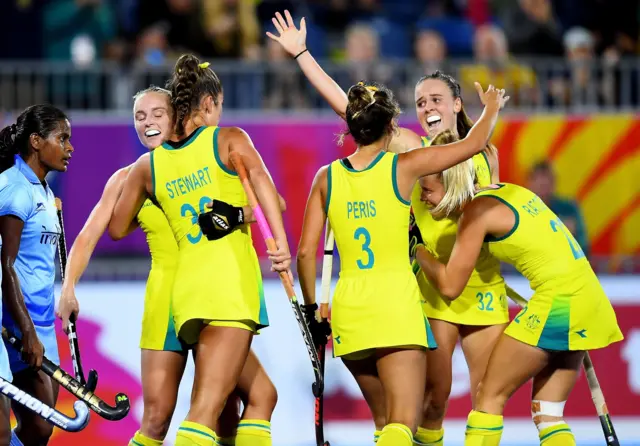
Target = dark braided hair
(190,82)
(463,121)
(41,119)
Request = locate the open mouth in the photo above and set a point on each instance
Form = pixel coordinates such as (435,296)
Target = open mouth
(433,122)
(151,132)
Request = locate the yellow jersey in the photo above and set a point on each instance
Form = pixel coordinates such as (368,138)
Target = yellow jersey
(218,280)
(569,309)
(158,331)
(376,288)
(483,302)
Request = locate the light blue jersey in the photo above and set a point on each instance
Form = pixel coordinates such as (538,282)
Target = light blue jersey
(24,196)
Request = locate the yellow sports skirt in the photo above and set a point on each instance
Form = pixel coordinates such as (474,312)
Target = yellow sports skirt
(477,305)
(560,321)
(373,309)
(158,330)
(211,289)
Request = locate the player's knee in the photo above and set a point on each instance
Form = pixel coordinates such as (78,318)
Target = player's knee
(547,413)
(156,419)
(263,398)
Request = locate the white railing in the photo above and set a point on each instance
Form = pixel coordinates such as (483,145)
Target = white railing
(535,85)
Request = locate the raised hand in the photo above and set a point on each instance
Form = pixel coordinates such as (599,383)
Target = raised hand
(491,97)
(292,39)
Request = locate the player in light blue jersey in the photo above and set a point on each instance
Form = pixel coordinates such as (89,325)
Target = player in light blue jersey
(35,145)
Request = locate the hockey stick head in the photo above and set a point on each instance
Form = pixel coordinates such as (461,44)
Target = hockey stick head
(92,380)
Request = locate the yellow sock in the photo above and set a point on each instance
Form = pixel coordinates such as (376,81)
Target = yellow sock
(558,435)
(253,433)
(140,439)
(483,429)
(395,434)
(429,437)
(376,436)
(194,434)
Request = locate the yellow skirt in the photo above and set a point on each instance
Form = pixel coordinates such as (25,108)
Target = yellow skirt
(582,320)
(373,310)
(217,290)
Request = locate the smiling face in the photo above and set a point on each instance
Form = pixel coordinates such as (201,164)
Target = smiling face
(432,190)
(54,151)
(153,115)
(436,107)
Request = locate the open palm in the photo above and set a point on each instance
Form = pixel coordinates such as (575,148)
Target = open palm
(292,39)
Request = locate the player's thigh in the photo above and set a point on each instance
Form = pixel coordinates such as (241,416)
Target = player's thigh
(403,376)
(512,363)
(43,388)
(365,373)
(221,355)
(161,374)
(477,344)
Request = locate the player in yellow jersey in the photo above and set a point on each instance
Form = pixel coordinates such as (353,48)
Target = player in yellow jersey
(479,317)
(379,329)
(568,314)
(217,301)
(163,356)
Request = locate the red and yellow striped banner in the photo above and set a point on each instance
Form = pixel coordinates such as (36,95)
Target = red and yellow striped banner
(597,162)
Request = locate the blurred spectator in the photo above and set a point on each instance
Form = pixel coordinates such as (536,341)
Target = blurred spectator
(77,30)
(183,22)
(284,83)
(583,83)
(494,66)
(233,28)
(532,29)
(431,52)
(362,53)
(542,182)
(152,46)
(336,15)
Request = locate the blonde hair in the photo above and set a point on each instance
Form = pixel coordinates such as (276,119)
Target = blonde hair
(459,180)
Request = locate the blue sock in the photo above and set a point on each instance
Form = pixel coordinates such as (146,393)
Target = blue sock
(15,441)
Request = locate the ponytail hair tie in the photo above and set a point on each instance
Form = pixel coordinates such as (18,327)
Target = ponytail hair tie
(204,65)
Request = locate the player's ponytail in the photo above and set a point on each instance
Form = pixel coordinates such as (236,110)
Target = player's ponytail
(371,111)
(463,121)
(7,146)
(190,82)
(458,181)
(41,119)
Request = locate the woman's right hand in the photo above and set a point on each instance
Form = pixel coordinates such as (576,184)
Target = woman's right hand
(32,349)
(492,97)
(68,305)
(292,39)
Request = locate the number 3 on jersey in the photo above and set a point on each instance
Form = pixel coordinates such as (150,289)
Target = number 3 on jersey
(188,209)
(362,235)
(557,225)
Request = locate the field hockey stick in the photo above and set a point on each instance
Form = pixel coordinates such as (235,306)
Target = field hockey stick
(265,230)
(75,388)
(594,386)
(74,347)
(325,290)
(47,413)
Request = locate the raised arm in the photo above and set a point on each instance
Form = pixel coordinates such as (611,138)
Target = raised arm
(312,225)
(233,139)
(86,242)
(134,192)
(294,41)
